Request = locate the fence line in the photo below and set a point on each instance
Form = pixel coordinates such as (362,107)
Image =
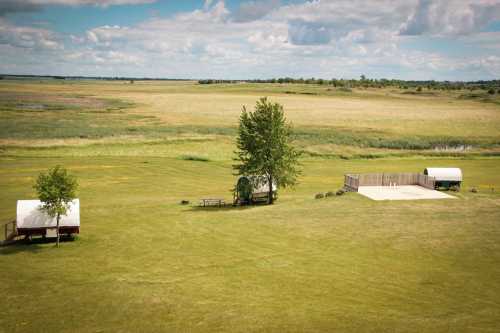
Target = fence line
(353,181)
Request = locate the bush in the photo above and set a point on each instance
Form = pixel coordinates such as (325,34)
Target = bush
(329,194)
(419,89)
(340,192)
(184,202)
(491,91)
(473,190)
(319,196)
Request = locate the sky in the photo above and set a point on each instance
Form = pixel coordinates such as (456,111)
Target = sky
(251,39)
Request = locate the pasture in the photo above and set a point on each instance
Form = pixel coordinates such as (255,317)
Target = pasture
(143,262)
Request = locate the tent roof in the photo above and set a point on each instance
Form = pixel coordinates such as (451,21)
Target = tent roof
(29,215)
(262,184)
(445,174)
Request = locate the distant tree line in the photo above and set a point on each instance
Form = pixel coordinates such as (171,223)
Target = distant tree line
(105,78)
(491,86)
(364,82)
(211,81)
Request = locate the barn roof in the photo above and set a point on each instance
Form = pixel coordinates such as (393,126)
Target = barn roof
(444,174)
(29,215)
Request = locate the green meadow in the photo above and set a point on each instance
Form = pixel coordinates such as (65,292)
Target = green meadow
(145,263)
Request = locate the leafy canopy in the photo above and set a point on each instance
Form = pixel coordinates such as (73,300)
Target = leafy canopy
(264,145)
(56,189)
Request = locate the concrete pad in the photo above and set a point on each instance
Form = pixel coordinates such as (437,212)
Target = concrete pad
(403,192)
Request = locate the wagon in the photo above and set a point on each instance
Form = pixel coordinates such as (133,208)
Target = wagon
(253,189)
(31,220)
(445,177)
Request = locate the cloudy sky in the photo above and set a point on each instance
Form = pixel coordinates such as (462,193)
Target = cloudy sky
(407,39)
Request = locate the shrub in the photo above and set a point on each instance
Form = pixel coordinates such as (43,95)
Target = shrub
(340,192)
(473,190)
(491,91)
(319,196)
(329,194)
(419,89)
(184,202)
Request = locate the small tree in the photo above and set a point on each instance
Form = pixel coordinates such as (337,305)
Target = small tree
(264,146)
(56,189)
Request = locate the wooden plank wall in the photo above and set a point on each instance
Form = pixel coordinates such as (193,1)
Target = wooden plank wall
(10,230)
(426,181)
(353,181)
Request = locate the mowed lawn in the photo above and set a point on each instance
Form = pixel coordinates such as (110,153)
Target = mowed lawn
(145,263)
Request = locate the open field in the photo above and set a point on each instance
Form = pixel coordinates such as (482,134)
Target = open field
(143,262)
(329,122)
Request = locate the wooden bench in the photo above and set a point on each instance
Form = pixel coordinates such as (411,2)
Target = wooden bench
(212,202)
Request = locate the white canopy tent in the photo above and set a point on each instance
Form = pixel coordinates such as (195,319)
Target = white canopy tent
(30,216)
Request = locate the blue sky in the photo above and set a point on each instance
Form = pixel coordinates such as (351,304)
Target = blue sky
(407,39)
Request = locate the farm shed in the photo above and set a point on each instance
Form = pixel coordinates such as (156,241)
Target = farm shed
(445,177)
(252,189)
(31,220)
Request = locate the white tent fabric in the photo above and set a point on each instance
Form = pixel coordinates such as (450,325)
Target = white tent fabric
(29,215)
(445,174)
(261,186)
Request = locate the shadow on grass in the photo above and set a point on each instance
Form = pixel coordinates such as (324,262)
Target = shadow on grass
(34,245)
(225,208)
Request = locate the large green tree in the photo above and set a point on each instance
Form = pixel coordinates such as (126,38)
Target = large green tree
(265,146)
(56,189)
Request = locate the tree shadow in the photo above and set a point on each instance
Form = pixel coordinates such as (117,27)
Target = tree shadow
(33,245)
(226,208)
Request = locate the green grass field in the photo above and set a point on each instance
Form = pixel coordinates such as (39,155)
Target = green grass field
(145,263)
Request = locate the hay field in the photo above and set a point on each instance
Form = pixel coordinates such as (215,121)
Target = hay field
(143,262)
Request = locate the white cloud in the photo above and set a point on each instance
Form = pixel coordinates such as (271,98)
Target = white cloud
(451,17)
(343,38)
(102,3)
(255,9)
(13,6)
(28,37)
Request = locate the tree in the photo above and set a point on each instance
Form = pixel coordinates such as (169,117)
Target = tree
(265,146)
(56,189)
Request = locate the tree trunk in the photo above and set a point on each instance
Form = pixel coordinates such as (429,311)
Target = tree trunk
(58,218)
(270,194)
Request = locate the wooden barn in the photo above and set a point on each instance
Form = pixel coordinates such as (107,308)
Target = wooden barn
(253,189)
(31,220)
(445,177)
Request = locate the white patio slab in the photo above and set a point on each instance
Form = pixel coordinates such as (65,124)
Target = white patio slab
(403,192)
